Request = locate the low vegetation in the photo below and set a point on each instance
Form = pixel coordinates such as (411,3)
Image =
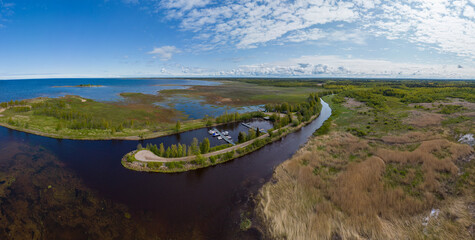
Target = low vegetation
(370,173)
(138,116)
(199,155)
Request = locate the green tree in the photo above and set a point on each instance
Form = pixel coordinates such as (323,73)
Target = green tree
(194,146)
(242,137)
(168,152)
(252,134)
(174,151)
(180,150)
(177,126)
(204,147)
(162,150)
(59,126)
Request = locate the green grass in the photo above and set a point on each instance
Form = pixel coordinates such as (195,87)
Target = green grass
(145,119)
(242,93)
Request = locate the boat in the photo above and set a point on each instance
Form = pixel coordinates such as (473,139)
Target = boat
(211,132)
(225,133)
(220,138)
(229,137)
(215,134)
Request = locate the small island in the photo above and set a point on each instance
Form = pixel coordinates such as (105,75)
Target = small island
(287,118)
(80,86)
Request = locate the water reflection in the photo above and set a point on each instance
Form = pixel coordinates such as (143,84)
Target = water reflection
(202,204)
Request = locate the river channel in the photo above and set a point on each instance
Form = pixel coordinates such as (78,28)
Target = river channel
(89,187)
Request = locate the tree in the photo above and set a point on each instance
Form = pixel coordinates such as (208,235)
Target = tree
(204,147)
(242,137)
(177,126)
(168,152)
(194,146)
(180,150)
(174,152)
(252,134)
(162,150)
(59,126)
(184,150)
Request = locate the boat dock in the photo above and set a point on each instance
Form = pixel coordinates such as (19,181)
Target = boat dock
(224,137)
(249,126)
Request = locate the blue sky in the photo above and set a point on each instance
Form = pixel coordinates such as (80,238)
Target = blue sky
(301,38)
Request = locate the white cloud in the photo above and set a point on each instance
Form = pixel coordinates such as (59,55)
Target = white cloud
(437,23)
(184,5)
(165,53)
(249,23)
(5,10)
(469,12)
(446,25)
(335,66)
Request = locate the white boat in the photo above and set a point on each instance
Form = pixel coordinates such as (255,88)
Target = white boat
(210,131)
(229,137)
(225,133)
(220,138)
(215,134)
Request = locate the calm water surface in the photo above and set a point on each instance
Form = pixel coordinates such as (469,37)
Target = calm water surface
(32,88)
(192,108)
(201,204)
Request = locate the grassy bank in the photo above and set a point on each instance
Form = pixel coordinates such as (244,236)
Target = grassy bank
(179,158)
(137,116)
(389,166)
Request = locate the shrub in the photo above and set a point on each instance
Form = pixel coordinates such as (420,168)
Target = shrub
(213,159)
(154,165)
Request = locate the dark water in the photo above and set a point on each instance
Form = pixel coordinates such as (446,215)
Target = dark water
(201,204)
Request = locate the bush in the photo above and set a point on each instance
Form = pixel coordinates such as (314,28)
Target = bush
(173,165)
(200,160)
(213,159)
(154,165)
(356,132)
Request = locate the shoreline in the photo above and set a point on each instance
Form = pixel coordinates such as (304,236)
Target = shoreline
(141,165)
(127,138)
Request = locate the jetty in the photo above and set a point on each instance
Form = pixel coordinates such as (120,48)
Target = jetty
(249,126)
(216,132)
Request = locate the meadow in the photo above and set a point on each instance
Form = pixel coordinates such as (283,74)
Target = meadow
(387,165)
(137,116)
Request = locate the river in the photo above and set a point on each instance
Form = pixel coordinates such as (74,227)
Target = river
(205,203)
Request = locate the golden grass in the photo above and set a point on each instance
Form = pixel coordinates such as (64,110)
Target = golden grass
(336,186)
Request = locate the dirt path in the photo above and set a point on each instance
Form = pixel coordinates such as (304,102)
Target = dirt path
(148,156)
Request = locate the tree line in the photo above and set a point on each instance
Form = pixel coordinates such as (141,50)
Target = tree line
(179,150)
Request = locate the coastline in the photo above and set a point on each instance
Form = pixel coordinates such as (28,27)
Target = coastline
(141,165)
(129,138)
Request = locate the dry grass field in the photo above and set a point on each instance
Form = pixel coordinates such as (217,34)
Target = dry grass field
(412,182)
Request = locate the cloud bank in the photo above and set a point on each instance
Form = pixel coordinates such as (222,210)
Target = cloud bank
(444,25)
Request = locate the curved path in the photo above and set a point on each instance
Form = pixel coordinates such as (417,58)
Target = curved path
(148,156)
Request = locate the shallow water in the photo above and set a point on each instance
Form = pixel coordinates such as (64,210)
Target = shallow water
(112,88)
(198,108)
(32,88)
(201,204)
